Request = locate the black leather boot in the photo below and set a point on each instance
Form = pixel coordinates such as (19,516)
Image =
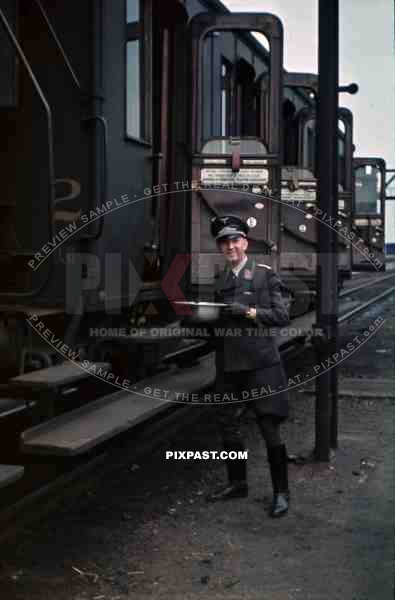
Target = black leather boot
(237,486)
(278,462)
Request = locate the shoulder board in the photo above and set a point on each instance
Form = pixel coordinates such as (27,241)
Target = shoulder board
(265,267)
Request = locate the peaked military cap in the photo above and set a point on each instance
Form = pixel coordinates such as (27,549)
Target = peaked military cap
(228,228)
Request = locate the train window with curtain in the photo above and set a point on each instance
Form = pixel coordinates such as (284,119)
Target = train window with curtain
(245,99)
(311,141)
(226,97)
(290,139)
(138,69)
(309,145)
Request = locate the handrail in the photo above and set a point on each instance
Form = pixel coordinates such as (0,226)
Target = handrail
(51,168)
(62,51)
(98,118)
(59,45)
(103,192)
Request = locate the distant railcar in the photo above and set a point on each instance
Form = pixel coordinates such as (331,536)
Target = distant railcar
(368,217)
(301,211)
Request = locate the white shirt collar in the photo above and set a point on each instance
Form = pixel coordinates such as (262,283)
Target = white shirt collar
(236,270)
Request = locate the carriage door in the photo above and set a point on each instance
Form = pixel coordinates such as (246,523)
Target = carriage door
(48,139)
(346,190)
(170,109)
(236,166)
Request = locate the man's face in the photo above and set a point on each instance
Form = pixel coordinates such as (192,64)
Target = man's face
(233,250)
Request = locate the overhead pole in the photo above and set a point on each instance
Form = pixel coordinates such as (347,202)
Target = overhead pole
(327,171)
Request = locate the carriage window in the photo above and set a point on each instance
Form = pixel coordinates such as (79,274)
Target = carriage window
(245,110)
(231,93)
(341,161)
(133,78)
(290,140)
(368,183)
(309,145)
(311,148)
(138,75)
(132,11)
(226,97)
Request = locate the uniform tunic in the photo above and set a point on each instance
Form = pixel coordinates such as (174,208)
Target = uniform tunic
(247,358)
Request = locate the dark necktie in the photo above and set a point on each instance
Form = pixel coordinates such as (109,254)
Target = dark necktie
(230,278)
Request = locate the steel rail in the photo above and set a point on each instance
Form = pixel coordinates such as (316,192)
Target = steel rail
(365,285)
(365,305)
(181,355)
(294,349)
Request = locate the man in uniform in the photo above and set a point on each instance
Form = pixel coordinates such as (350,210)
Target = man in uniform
(248,363)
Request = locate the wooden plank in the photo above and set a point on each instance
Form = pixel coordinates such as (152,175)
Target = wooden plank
(25,312)
(81,430)
(11,406)
(367,388)
(359,387)
(9,474)
(64,374)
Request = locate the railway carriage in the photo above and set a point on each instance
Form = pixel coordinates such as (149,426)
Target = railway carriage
(96,114)
(368,217)
(299,186)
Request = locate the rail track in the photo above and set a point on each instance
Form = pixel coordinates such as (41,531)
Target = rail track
(366,284)
(147,436)
(369,292)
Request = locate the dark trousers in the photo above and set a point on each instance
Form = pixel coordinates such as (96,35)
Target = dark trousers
(269,412)
(228,419)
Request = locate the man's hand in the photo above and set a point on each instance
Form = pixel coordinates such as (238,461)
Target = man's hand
(237,310)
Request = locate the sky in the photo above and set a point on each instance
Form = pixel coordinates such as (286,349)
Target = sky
(366,56)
